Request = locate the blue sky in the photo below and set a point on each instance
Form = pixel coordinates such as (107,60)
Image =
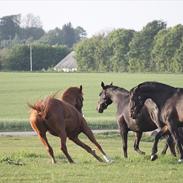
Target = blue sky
(97,16)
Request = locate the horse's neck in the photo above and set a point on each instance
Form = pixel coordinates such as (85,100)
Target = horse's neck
(160,96)
(67,99)
(119,97)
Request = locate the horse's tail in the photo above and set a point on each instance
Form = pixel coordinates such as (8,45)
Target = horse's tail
(40,107)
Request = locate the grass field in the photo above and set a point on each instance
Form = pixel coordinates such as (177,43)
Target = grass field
(19,88)
(24,159)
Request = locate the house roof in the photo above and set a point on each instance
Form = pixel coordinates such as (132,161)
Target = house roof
(68,62)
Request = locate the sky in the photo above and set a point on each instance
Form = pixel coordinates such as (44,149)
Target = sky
(97,16)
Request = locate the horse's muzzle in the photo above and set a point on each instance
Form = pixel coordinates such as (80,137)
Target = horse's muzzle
(100,110)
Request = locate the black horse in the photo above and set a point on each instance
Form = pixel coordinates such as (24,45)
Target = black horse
(145,122)
(169,101)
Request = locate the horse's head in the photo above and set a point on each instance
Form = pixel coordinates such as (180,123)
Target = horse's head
(104,100)
(137,100)
(74,96)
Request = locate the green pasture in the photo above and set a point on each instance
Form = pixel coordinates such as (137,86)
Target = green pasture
(16,89)
(24,159)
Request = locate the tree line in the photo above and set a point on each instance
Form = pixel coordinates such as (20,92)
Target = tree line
(155,48)
(17,34)
(17,30)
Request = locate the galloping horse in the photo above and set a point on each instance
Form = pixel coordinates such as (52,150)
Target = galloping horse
(63,120)
(169,101)
(145,122)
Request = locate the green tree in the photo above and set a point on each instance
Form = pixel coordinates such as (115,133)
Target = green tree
(53,37)
(119,41)
(165,45)
(9,26)
(80,33)
(68,35)
(43,56)
(177,63)
(85,51)
(141,46)
(102,53)
(33,33)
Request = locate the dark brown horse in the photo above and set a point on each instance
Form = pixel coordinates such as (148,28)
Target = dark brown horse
(169,101)
(63,120)
(145,122)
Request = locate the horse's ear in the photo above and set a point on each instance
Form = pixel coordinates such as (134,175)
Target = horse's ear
(111,83)
(81,88)
(102,85)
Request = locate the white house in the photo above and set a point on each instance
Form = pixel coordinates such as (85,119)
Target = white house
(67,64)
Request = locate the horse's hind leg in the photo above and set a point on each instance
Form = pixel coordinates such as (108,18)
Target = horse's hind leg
(44,140)
(87,131)
(175,134)
(137,141)
(169,143)
(164,149)
(63,138)
(86,147)
(41,129)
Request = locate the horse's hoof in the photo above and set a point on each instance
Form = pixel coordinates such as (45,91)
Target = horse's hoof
(53,161)
(111,161)
(180,161)
(107,159)
(100,160)
(142,152)
(154,157)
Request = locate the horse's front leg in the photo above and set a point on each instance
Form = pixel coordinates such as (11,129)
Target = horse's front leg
(137,141)
(88,132)
(86,147)
(156,140)
(124,135)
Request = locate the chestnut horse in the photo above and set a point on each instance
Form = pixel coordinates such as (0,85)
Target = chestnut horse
(145,122)
(63,118)
(169,101)
(74,96)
